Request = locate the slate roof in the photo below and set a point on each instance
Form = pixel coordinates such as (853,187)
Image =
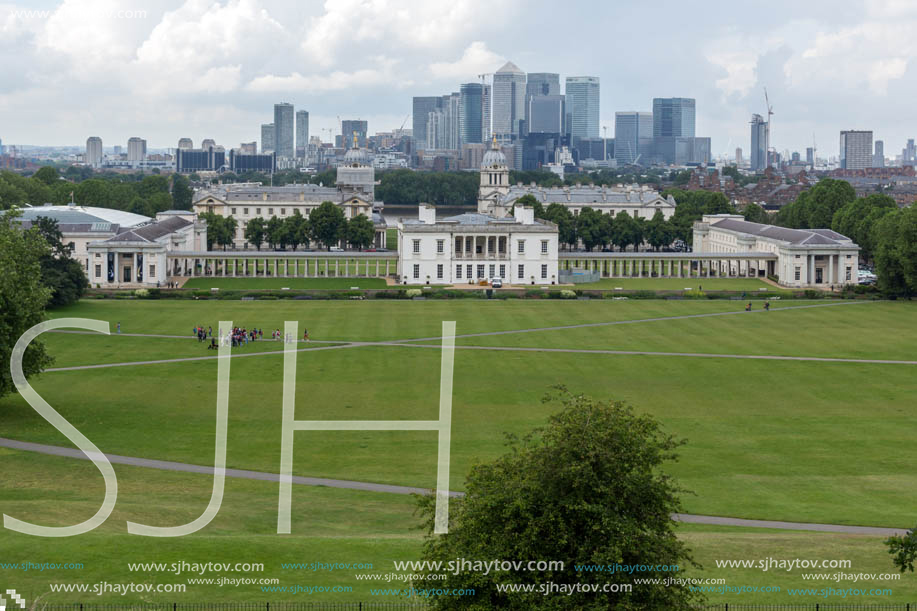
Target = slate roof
(152,232)
(588,195)
(798,237)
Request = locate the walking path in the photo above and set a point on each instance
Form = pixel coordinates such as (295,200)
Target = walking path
(165,465)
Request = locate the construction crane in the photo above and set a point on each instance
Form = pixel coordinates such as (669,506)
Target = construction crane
(767,137)
(482,76)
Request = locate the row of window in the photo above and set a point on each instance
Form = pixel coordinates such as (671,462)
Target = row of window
(798,273)
(480,271)
(441,247)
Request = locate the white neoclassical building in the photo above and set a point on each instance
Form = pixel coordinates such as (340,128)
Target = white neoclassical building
(138,257)
(82,225)
(474,247)
(354,192)
(805,258)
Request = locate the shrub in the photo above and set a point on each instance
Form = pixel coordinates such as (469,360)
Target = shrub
(567,294)
(142,293)
(695,294)
(411,293)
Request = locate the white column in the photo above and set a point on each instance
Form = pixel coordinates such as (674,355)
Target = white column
(831,280)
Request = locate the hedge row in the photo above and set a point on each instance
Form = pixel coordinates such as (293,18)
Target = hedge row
(850,292)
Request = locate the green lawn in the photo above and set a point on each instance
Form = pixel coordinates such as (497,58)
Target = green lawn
(329,526)
(278,283)
(771,439)
(679,284)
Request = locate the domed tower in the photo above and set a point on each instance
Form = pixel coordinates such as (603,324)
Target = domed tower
(494,182)
(356,178)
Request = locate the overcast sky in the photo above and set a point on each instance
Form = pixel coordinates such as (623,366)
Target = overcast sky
(213,68)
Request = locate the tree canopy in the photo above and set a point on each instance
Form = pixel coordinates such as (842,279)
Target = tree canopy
(589,488)
(23,296)
(328,224)
(360,232)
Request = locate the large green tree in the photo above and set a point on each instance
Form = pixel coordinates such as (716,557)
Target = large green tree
(561,216)
(857,218)
(659,232)
(754,213)
(815,208)
(23,296)
(360,232)
(590,228)
(903,550)
(532,202)
(181,192)
(296,229)
(589,488)
(895,239)
(254,232)
(59,272)
(328,224)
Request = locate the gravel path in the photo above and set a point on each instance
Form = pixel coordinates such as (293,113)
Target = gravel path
(165,465)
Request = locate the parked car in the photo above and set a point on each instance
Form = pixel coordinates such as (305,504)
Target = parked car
(497,283)
(336,249)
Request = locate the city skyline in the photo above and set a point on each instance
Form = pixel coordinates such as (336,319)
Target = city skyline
(129,69)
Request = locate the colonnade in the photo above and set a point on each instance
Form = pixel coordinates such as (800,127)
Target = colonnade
(242,266)
(669,267)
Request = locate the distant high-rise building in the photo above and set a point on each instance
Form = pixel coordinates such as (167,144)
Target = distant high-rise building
(739,159)
(302,132)
(759,129)
(452,114)
(471,115)
(267,137)
(508,100)
(351,128)
(810,156)
(185,143)
(546,115)
(582,94)
(633,137)
(207,143)
(672,118)
(422,107)
(795,158)
(283,129)
(878,158)
(93,151)
(248,148)
(136,149)
(856,150)
(542,83)
(910,152)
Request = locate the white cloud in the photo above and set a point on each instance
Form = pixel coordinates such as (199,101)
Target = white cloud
(477,59)
(337,80)
(866,55)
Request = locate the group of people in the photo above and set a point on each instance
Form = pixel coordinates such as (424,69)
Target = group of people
(240,336)
(767,306)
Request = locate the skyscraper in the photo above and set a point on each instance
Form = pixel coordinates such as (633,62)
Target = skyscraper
(351,128)
(673,117)
(633,137)
(508,100)
(93,151)
(739,159)
(422,107)
(302,132)
(283,129)
(185,143)
(542,83)
(759,129)
(856,150)
(878,158)
(136,149)
(471,115)
(810,156)
(486,105)
(583,106)
(267,137)
(546,115)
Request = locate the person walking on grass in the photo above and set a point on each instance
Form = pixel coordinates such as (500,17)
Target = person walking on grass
(119,328)
(305,335)
(767,305)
